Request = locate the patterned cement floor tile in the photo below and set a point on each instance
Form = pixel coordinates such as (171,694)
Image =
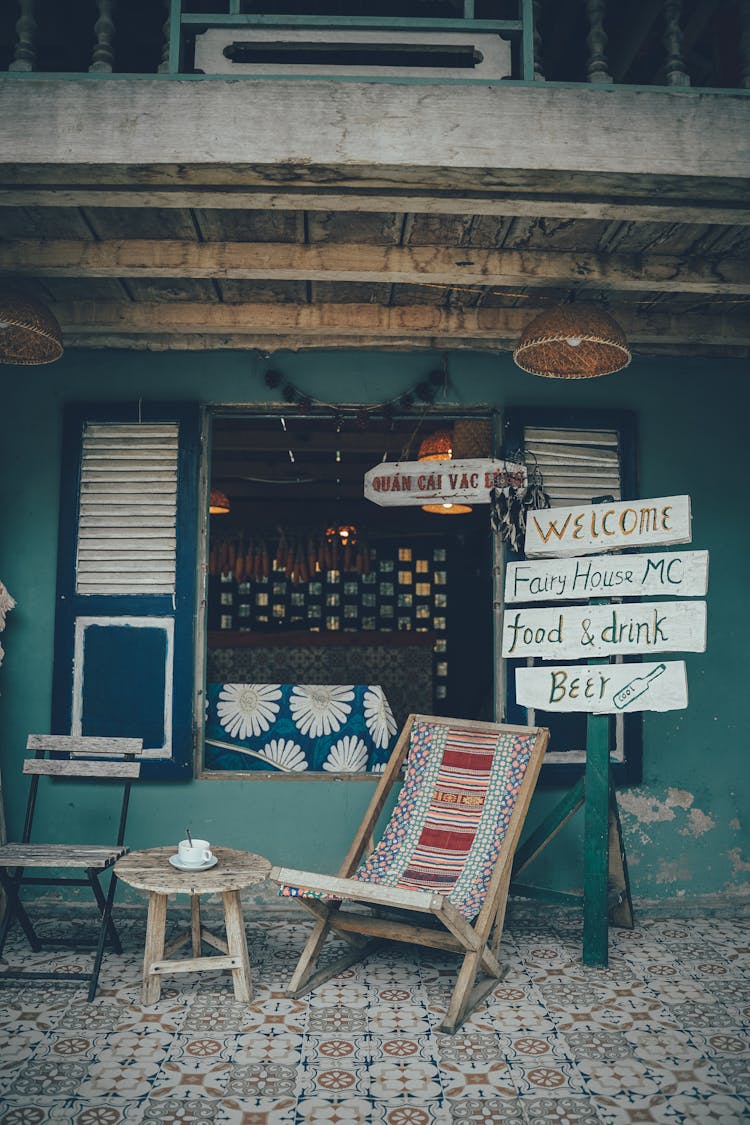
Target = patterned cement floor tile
(711,1109)
(662,1035)
(338,1110)
(485,1111)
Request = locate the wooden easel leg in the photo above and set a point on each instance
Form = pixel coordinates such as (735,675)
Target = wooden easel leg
(620,901)
(596,841)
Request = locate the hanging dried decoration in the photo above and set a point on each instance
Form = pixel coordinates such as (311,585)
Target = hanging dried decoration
(509,506)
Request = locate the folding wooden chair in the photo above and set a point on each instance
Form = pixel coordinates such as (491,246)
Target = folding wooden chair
(445,854)
(66,756)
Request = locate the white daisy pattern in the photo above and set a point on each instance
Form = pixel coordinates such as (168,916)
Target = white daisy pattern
(318,710)
(348,755)
(248,709)
(285,754)
(379,717)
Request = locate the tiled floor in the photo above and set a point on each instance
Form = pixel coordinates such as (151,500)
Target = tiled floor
(662,1035)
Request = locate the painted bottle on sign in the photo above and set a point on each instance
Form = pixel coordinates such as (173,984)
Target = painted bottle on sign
(637,687)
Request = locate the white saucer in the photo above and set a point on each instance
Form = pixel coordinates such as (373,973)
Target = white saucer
(175,861)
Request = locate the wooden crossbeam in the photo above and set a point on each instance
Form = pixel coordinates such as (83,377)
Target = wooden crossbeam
(414,265)
(353,322)
(603,203)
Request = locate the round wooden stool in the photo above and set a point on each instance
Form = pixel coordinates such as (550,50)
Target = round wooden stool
(151,871)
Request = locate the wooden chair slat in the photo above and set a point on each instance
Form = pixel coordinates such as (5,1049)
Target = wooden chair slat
(59,855)
(85,745)
(75,767)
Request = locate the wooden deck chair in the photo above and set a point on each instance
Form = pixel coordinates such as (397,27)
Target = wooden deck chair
(439,875)
(66,756)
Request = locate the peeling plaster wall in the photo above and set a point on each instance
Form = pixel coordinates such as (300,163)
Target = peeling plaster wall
(686,826)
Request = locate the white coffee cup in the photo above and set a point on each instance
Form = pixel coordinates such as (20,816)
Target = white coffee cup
(194,852)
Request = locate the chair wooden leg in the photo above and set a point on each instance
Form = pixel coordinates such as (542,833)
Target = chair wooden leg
(502,906)
(237,944)
(310,954)
(154,951)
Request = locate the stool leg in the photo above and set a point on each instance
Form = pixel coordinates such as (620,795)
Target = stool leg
(155,926)
(237,944)
(195,924)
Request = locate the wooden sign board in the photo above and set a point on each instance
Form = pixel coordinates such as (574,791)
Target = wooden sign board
(604,689)
(678,574)
(402,483)
(584,632)
(589,528)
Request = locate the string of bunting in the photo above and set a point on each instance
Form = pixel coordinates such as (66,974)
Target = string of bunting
(424,392)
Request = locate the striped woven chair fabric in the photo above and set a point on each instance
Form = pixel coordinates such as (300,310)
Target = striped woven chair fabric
(452,814)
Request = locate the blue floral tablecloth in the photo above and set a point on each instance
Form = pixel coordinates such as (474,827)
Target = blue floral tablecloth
(292,728)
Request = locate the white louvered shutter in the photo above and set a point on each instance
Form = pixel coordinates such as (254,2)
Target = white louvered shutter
(126,578)
(127,509)
(576,465)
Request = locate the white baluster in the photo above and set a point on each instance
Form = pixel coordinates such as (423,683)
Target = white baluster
(538,64)
(24,56)
(103,54)
(674,67)
(166,28)
(745,44)
(596,41)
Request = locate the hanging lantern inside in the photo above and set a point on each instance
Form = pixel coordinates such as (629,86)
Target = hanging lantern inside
(218,504)
(436,447)
(439,447)
(572,342)
(343,533)
(29,333)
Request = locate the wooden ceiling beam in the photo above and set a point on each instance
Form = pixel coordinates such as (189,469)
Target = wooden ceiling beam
(299,342)
(629,203)
(413,265)
(357,322)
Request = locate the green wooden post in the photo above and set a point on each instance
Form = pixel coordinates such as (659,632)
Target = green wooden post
(596,842)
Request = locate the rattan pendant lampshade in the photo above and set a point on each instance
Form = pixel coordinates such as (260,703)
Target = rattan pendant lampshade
(572,342)
(29,333)
(439,447)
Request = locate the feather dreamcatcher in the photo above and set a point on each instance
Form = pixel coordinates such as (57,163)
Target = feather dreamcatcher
(509,505)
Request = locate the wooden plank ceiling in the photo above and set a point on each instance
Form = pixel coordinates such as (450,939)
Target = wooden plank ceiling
(155,277)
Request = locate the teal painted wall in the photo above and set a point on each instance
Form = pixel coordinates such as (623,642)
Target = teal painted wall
(686,826)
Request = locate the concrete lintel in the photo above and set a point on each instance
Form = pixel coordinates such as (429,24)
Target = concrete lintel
(329,131)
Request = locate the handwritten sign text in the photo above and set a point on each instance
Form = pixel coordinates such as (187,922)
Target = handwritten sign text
(604,688)
(470,481)
(680,574)
(580,632)
(592,528)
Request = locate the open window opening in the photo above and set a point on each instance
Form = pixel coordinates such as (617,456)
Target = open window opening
(329,618)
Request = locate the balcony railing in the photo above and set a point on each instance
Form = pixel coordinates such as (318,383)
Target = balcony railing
(703,44)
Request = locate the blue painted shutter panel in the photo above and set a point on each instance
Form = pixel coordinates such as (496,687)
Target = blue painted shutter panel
(124,633)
